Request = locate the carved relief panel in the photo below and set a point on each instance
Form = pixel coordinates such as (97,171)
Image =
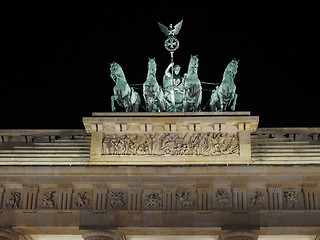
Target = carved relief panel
(257,198)
(152,199)
(13,199)
(174,144)
(186,199)
(82,198)
(117,199)
(222,198)
(47,198)
(293,198)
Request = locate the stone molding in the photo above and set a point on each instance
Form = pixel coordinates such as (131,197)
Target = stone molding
(239,235)
(102,235)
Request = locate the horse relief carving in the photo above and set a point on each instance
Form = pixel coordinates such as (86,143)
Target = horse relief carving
(116,200)
(183,198)
(223,197)
(153,200)
(292,199)
(47,200)
(14,201)
(257,199)
(83,200)
(174,144)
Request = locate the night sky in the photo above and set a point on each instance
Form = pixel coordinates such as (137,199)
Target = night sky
(57,62)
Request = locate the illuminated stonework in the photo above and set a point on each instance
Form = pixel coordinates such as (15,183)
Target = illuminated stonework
(186,174)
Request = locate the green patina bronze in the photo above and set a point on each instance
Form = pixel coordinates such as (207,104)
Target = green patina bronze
(225,94)
(193,89)
(173,88)
(152,92)
(124,95)
(178,93)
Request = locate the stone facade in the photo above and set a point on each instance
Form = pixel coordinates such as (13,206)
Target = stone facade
(116,179)
(175,139)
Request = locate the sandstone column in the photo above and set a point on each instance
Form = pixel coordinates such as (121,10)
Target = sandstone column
(102,235)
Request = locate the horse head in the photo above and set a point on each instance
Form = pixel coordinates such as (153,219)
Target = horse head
(193,64)
(232,67)
(152,66)
(116,72)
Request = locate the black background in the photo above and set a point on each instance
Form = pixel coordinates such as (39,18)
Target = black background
(56,67)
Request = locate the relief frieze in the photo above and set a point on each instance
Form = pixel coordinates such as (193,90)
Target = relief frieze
(139,197)
(173,144)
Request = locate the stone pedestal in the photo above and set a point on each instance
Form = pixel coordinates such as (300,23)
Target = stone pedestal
(170,138)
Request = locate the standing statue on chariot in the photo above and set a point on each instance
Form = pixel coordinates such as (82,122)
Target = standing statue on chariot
(173,88)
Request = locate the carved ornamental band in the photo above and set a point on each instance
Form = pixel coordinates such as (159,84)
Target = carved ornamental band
(174,144)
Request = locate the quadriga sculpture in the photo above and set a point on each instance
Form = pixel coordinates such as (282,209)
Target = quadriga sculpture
(152,92)
(193,89)
(225,94)
(124,95)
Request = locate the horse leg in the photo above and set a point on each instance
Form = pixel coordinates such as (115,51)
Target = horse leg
(113,109)
(136,104)
(212,101)
(233,107)
(185,107)
(198,106)
(221,104)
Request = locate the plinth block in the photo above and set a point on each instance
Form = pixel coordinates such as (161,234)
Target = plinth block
(170,138)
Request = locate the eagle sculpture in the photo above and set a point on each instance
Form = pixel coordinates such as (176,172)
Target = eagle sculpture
(170,31)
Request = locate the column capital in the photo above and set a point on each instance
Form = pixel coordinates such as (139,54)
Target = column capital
(239,235)
(102,235)
(7,234)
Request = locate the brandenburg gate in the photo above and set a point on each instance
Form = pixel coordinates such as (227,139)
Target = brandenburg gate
(127,175)
(175,171)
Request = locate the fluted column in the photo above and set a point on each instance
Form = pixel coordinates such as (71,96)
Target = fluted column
(102,235)
(239,235)
(7,234)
